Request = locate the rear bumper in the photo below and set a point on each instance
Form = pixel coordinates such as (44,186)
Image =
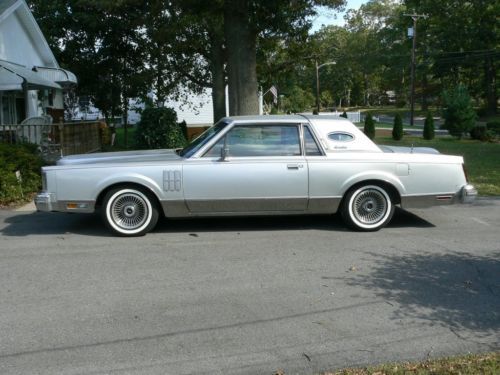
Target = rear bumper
(468,194)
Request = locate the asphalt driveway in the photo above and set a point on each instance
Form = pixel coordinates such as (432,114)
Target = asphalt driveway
(246,296)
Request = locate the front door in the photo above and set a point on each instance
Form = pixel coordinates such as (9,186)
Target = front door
(263,171)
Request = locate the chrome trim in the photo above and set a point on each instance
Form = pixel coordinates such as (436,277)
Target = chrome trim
(323,205)
(242,205)
(46,202)
(174,208)
(424,201)
(468,194)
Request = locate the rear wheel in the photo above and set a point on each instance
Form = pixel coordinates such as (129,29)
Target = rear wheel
(129,211)
(367,208)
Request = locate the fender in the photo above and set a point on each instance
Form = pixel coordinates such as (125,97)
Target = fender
(373,175)
(127,178)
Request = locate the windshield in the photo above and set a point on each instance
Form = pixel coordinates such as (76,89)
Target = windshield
(200,141)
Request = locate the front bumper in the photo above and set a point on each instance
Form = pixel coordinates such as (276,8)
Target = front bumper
(45,201)
(468,194)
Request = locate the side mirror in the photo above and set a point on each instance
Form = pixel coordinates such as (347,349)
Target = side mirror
(224,151)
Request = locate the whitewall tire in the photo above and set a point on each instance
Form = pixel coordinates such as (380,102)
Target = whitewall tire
(129,211)
(367,208)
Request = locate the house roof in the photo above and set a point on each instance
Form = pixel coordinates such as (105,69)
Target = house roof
(7,7)
(12,77)
(48,75)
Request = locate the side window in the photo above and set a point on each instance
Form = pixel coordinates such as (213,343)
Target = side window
(215,149)
(312,148)
(260,140)
(341,137)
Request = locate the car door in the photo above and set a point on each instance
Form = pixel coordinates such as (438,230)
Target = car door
(263,170)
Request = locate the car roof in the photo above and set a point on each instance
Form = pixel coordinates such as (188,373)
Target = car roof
(281,118)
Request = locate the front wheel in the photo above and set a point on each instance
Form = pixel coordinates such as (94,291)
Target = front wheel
(129,211)
(367,208)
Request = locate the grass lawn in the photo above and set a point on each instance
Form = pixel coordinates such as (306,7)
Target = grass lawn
(487,364)
(482,159)
(120,139)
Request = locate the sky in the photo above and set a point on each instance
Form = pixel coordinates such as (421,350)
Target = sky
(329,17)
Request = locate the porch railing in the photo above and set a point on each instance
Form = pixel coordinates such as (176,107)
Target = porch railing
(56,140)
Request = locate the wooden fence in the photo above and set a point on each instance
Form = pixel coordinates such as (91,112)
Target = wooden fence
(58,139)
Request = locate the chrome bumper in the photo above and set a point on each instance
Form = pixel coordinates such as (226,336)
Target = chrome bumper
(468,194)
(45,201)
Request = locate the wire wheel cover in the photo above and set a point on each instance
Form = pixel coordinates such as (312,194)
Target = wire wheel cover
(129,211)
(369,206)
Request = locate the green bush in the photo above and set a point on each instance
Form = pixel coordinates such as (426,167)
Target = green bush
(369,128)
(459,115)
(429,127)
(482,133)
(158,128)
(397,129)
(494,126)
(22,158)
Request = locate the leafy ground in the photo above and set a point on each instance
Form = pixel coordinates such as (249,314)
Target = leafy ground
(482,159)
(487,364)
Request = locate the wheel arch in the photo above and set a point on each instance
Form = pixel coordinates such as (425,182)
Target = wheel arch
(392,190)
(128,184)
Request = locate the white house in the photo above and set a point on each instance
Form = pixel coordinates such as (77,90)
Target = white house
(31,81)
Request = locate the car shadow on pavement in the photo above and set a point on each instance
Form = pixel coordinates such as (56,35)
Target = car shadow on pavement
(40,223)
(401,219)
(54,223)
(457,290)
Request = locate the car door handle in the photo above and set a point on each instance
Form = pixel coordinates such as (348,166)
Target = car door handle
(294,166)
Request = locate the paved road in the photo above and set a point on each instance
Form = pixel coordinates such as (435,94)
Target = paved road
(246,296)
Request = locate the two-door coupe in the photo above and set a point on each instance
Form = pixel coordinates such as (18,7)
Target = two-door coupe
(258,165)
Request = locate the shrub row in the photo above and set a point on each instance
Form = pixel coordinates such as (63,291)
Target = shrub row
(20,158)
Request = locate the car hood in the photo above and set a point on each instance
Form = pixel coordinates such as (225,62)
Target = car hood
(120,157)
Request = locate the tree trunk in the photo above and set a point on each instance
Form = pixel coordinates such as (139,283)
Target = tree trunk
(241,39)
(218,77)
(490,83)
(425,104)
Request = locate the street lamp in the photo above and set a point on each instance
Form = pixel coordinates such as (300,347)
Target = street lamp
(415,17)
(318,67)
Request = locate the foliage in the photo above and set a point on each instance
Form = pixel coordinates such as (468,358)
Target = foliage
(459,115)
(397,130)
(369,128)
(22,158)
(494,126)
(429,127)
(344,114)
(482,133)
(297,100)
(158,128)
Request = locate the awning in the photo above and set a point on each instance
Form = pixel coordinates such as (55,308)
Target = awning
(61,76)
(32,79)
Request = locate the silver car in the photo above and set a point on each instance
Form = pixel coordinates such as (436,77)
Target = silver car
(258,165)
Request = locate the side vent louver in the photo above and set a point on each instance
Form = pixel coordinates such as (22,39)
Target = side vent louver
(172,180)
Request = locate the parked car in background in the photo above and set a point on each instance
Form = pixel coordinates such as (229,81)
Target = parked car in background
(258,165)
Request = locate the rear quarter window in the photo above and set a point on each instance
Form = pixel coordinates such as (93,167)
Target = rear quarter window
(341,137)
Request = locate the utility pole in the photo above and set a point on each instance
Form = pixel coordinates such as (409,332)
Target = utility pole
(415,17)
(318,67)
